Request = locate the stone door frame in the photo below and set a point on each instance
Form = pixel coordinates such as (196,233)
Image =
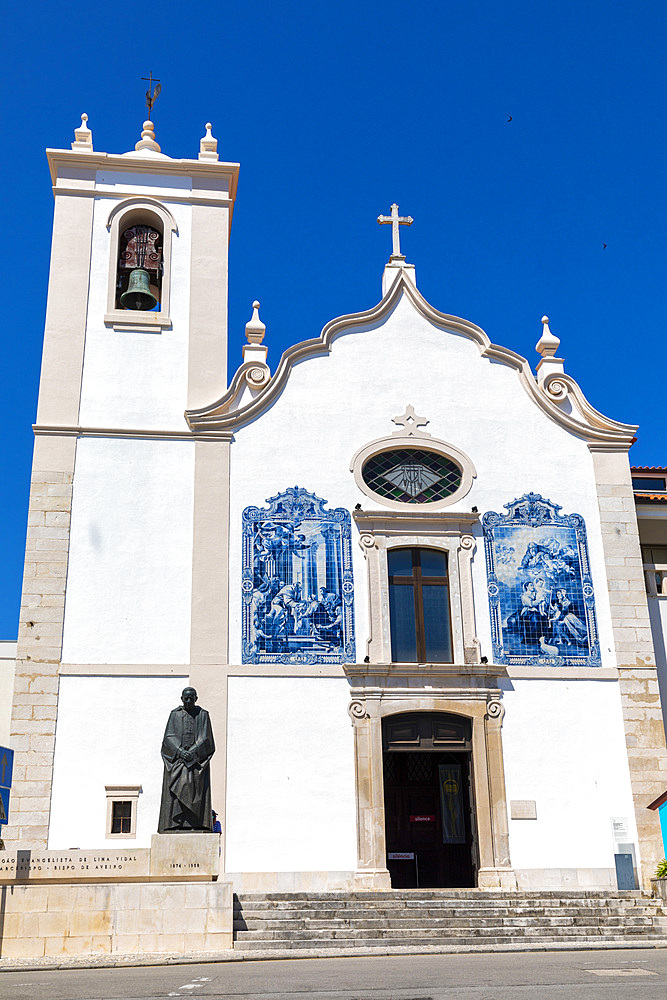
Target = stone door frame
(484,708)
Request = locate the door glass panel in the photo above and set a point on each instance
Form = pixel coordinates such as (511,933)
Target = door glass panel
(402,617)
(436,623)
(433,563)
(400,562)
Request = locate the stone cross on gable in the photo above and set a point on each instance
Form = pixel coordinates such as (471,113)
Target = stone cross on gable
(395,220)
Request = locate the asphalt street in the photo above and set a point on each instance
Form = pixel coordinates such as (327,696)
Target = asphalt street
(593,975)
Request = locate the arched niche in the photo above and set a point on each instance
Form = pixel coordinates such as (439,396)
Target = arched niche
(124,216)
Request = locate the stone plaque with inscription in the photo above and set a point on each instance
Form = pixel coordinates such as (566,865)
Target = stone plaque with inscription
(192,858)
(74,866)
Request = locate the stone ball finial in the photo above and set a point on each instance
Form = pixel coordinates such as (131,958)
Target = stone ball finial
(83,137)
(147,140)
(254,328)
(547,345)
(208,146)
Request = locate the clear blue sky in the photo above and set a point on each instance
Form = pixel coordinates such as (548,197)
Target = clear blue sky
(334,112)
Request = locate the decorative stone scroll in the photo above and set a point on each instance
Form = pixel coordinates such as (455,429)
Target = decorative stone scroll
(357,710)
(297,581)
(539,585)
(495,710)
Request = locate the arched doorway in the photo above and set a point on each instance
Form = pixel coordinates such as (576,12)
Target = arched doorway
(428,799)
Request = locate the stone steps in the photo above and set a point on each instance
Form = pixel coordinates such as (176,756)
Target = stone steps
(372,924)
(449,913)
(444,918)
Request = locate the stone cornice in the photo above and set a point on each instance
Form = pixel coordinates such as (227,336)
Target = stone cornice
(63,430)
(142,165)
(427,673)
(419,520)
(550,395)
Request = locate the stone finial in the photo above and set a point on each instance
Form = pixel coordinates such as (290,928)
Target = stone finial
(409,424)
(548,364)
(208,146)
(147,140)
(255,351)
(547,345)
(255,329)
(83,136)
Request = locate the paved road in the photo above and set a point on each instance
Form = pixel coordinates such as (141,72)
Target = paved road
(601,975)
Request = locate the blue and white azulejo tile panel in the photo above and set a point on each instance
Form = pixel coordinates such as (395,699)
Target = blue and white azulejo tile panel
(297,585)
(539,584)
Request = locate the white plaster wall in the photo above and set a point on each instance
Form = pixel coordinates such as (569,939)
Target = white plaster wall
(129,581)
(657,607)
(132,183)
(564,747)
(290,775)
(333,405)
(130,379)
(109,732)
(7,672)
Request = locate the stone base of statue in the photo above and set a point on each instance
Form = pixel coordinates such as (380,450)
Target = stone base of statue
(162,900)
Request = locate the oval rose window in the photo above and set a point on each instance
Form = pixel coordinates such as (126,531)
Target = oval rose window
(412,475)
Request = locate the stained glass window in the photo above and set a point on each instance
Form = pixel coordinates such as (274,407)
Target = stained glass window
(412,475)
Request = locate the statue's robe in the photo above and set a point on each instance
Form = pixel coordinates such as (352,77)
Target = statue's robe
(186,788)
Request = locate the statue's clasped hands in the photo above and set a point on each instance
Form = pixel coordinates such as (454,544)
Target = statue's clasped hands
(187,756)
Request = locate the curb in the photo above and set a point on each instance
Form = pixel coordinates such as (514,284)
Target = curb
(270,955)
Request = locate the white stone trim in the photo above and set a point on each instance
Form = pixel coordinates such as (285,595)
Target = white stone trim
(468,471)
(581,418)
(128,432)
(137,164)
(448,531)
(485,710)
(122,793)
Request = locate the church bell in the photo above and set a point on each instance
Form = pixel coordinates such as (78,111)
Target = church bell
(141,256)
(138,294)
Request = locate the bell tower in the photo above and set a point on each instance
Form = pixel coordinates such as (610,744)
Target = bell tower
(135,334)
(138,274)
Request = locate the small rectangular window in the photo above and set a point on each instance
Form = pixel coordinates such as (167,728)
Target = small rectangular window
(649,484)
(121,817)
(122,803)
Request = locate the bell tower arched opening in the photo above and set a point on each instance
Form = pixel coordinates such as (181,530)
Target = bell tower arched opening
(429,800)
(140,265)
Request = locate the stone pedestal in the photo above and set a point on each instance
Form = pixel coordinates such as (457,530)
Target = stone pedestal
(496,878)
(659,888)
(162,900)
(185,855)
(372,878)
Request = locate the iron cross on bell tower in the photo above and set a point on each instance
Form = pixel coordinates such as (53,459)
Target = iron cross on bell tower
(395,220)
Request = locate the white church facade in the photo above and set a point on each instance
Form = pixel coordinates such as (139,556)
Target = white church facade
(402,571)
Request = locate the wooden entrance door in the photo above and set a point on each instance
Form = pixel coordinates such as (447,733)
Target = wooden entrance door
(427,761)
